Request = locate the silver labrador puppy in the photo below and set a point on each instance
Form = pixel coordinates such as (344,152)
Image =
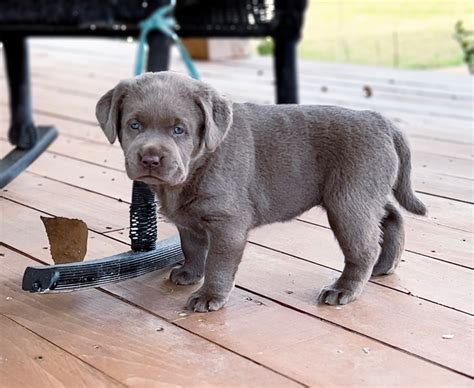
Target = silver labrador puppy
(221,168)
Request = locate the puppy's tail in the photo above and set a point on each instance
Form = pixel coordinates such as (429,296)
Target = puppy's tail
(402,189)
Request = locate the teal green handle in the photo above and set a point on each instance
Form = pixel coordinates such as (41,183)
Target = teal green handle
(160,20)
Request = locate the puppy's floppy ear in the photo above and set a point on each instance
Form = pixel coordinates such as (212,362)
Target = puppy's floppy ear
(108,110)
(217,112)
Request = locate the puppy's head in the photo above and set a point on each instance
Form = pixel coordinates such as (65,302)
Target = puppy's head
(164,122)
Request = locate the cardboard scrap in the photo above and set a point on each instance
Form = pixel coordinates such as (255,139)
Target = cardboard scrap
(67,239)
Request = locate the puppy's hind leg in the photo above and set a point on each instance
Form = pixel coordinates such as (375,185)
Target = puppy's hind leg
(393,242)
(356,227)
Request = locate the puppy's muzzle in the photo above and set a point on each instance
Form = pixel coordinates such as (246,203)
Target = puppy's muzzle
(150,161)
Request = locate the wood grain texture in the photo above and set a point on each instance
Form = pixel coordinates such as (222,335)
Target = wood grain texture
(294,283)
(393,317)
(296,238)
(67,201)
(129,344)
(26,357)
(434,280)
(430,236)
(343,90)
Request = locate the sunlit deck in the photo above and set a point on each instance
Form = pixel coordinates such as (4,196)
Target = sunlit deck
(413,328)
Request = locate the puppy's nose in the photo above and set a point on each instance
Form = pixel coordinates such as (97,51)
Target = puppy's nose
(150,161)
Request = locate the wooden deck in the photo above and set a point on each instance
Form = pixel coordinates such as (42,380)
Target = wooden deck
(272,333)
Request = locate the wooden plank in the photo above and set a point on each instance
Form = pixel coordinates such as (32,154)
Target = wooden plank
(82,76)
(118,51)
(441,211)
(444,165)
(15,217)
(302,339)
(127,59)
(127,343)
(218,71)
(389,75)
(420,141)
(122,54)
(243,327)
(26,357)
(434,236)
(293,238)
(426,237)
(417,275)
(247,70)
(444,185)
(239,90)
(48,195)
(293,282)
(447,129)
(436,155)
(351,91)
(113,157)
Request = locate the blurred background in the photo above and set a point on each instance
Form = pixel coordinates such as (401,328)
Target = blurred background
(409,34)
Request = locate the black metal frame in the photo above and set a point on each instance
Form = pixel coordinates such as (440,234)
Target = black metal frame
(205,18)
(29,140)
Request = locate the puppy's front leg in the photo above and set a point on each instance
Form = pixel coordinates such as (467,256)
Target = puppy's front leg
(225,253)
(194,243)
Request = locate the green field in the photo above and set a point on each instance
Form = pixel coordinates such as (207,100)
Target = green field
(399,33)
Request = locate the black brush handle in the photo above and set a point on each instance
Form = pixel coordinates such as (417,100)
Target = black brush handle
(96,273)
(143,229)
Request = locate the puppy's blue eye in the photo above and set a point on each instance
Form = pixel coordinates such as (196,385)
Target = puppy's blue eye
(135,125)
(178,131)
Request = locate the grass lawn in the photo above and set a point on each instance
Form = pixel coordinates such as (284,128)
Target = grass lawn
(400,33)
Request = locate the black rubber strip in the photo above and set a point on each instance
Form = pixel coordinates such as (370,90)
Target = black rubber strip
(95,273)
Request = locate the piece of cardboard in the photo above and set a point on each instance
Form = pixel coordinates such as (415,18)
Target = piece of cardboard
(67,239)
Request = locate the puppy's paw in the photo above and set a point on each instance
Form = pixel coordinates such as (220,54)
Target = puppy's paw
(185,276)
(335,295)
(202,301)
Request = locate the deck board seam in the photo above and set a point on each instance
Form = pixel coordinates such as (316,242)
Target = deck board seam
(174,323)
(118,59)
(407,293)
(130,303)
(62,349)
(94,124)
(123,171)
(358,333)
(406,250)
(297,219)
(282,304)
(260,245)
(389,91)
